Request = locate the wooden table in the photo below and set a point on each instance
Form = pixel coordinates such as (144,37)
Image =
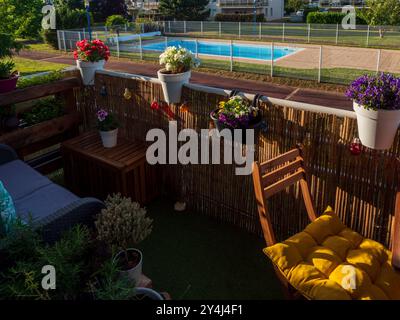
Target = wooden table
(92,170)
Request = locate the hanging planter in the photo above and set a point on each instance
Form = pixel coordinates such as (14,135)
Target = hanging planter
(377,106)
(172,84)
(238,113)
(90,57)
(177,62)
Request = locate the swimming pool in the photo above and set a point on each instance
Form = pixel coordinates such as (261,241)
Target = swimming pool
(248,51)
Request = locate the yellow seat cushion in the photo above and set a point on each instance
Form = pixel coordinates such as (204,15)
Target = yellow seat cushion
(328,261)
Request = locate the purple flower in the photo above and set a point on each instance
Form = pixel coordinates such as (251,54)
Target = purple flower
(376,92)
(102,115)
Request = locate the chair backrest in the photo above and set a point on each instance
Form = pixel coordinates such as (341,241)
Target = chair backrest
(274,176)
(396,234)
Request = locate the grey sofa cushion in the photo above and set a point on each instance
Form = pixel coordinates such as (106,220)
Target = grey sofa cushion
(44,202)
(20,180)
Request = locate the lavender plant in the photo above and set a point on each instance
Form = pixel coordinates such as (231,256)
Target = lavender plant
(376,92)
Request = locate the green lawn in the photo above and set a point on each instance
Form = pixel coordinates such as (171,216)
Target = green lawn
(28,67)
(42,47)
(192,256)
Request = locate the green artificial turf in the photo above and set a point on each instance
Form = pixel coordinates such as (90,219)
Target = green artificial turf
(192,256)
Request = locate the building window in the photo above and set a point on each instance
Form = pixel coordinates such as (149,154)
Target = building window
(272,12)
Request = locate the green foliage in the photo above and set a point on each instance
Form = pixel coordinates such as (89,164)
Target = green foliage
(67,18)
(110,284)
(22,18)
(294,5)
(6,68)
(8,45)
(45,109)
(20,243)
(239,17)
(330,18)
(190,10)
(115,21)
(68,256)
(123,224)
(382,12)
(38,80)
(25,255)
(104,8)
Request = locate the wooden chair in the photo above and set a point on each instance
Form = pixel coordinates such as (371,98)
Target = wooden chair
(279,173)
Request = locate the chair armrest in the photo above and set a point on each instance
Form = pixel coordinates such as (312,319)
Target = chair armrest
(82,211)
(396,234)
(7,154)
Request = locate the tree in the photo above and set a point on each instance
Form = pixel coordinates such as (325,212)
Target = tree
(184,9)
(295,5)
(104,8)
(21,18)
(382,13)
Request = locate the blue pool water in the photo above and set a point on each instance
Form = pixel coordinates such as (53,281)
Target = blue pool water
(249,51)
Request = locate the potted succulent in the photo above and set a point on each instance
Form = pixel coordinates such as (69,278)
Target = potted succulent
(123,224)
(376,101)
(8,75)
(177,63)
(90,56)
(237,113)
(108,125)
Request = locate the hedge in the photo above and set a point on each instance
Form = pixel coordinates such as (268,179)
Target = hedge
(233,17)
(330,18)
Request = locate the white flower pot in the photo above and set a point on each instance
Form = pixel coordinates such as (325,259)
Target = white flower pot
(135,273)
(88,70)
(109,138)
(172,85)
(377,128)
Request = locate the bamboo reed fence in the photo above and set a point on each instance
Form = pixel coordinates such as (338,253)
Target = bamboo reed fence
(360,188)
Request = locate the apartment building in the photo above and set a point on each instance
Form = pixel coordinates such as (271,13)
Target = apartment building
(272,9)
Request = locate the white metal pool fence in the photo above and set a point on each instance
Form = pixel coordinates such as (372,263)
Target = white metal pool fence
(322,63)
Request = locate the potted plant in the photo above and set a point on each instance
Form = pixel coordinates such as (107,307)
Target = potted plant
(8,75)
(123,224)
(108,125)
(177,63)
(90,56)
(237,113)
(376,101)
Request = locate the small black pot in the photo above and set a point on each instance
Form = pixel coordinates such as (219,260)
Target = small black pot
(257,124)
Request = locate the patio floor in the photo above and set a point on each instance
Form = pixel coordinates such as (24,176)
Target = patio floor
(192,256)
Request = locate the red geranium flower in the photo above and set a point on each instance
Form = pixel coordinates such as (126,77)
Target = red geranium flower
(91,51)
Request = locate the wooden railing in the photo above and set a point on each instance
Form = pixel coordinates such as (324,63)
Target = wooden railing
(39,143)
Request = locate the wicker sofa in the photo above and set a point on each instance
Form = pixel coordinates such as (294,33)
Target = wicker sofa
(49,206)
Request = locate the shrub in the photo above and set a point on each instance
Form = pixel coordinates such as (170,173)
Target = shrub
(247,17)
(115,21)
(330,18)
(66,19)
(123,223)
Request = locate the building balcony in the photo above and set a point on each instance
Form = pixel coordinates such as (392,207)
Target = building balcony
(242,3)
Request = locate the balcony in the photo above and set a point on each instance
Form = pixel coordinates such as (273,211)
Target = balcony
(242,3)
